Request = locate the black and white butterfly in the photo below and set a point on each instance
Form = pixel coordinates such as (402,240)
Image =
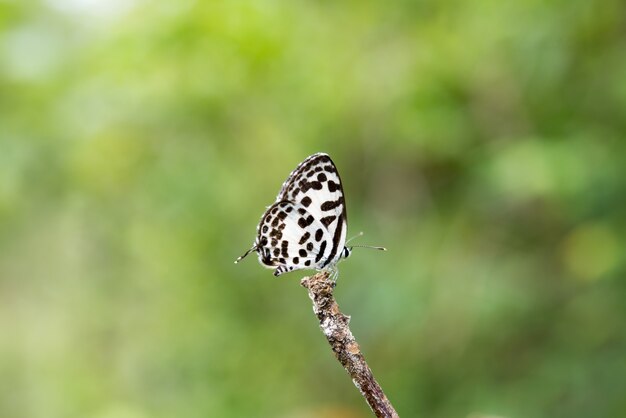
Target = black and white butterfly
(306,227)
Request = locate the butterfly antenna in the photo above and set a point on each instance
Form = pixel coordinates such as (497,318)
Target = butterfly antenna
(369,246)
(245,254)
(360,234)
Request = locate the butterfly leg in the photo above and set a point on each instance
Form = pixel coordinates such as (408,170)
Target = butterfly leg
(334,274)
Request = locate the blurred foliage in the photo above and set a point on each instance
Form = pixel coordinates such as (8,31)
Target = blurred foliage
(482,142)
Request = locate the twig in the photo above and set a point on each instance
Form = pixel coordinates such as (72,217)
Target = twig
(335,327)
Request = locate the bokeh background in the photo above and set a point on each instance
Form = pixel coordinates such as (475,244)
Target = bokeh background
(481,141)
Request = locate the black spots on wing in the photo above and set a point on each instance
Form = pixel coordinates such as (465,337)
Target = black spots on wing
(276,233)
(304,167)
(321,253)
(301,211)
(304,186)
(282,226)
(302,252)
(327,220)
(304,222)
(306,201)
(274,210)
(263,241)
(283,249)
(316,185)
(332,186)
(264,229)
(317,161)
(309,246)
(289,209)
(281,260)
(296,260)
(275,222)
(274,242)
(276,252)
(307,263)
(282,215)
(308,168)
(304,238)
(318,234)
(330,168)
(266,258)
(331,204)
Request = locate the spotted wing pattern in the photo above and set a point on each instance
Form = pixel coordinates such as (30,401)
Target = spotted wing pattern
(306,226)
(290,238)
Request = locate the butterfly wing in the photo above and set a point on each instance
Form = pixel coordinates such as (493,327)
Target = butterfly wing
(306,226)
(316,185)
(298,173)
(290,238)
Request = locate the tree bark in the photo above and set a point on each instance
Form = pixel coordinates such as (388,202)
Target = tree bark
(335,326)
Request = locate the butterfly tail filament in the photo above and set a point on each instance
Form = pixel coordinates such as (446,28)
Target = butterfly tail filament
(241,257)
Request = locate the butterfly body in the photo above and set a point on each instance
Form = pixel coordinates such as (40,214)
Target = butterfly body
(306,226)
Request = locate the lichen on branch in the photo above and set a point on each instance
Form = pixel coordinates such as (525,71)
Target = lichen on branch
(335,326)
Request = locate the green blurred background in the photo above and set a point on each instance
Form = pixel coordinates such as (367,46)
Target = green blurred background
(481,141)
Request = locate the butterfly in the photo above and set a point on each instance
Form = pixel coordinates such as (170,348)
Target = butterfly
(306,227)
